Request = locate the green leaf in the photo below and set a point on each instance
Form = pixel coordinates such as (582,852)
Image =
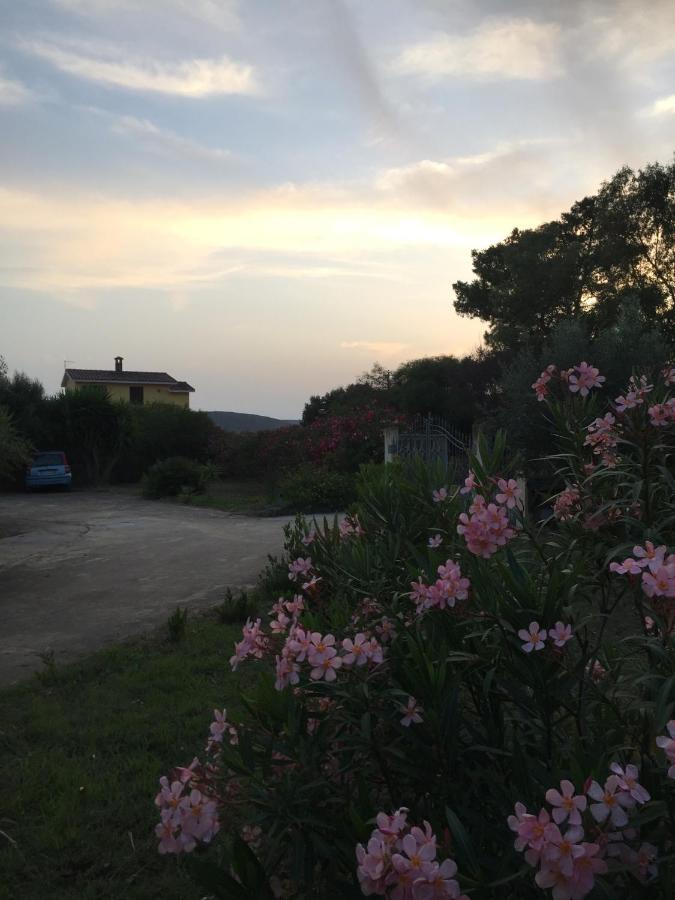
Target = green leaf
(663,704)
(213,879)
(248,868)
(465,852)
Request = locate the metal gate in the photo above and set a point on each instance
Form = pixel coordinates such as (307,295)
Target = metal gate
(432,439)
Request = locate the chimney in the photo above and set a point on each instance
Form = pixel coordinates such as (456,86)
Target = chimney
(118,363)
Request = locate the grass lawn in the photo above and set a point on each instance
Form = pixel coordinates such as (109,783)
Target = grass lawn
(81,749)
(249,497)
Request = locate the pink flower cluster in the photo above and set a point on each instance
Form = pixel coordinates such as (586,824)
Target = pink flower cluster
(449,587)
(253,643)
(583,378)
(567,504)
(656,567)
(541,384)
(399,861)
(667,744)
(580,379)
(470,483)
(299,567)
(217,730)
(485,527)
(568,863)
(635,395)
(187,815)
(350,527)
(534,637)
(662,414)
(603,438)
(320,652)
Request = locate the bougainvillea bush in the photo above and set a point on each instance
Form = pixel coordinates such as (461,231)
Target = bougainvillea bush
(451,699)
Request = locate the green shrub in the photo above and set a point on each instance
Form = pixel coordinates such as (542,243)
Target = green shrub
(177,625)
(235,609)
(174,476)
(310,489)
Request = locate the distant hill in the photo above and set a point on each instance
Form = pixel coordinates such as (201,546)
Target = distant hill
(234,421)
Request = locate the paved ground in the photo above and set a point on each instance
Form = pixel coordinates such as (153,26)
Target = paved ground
(79,570)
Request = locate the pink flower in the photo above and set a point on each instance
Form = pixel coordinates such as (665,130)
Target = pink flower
(412,713)
(440,495)
(628,566)
(469,483)
(296,605)
(522,824)
(585,378)
(372,861)
(628,781)
(373,651)
(280,624)
(327,667)
(650,556)
(320,648)
(668,375)
(534,637)
(566,504)
(661,583)
(299,566)
(391,826)
(415,854)
(567,804)
(611,802)
(286,672)
(667,744)
(356,650)
(560,634)
(309,538)
(540,386)
(660,415)
(437,881)
(511,495)
(219,726)
(435,541)
(300,643)
(560,852)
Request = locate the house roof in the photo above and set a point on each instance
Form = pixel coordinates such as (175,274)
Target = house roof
(108,376)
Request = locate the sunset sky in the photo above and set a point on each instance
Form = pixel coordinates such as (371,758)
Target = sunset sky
(264,197)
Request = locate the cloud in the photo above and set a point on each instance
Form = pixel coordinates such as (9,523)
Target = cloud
(166,142)
(13,93)
(663,107)
(81,241)
(515,175)
(631,34)
(384,348)
(105,64)
(515,48)
(221,14)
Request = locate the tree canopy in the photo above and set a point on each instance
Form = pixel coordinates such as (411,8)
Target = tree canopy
(614,245)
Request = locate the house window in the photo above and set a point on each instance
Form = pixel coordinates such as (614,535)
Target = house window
(135,394)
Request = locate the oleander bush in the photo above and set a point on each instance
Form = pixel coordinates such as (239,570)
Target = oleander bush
(449,699)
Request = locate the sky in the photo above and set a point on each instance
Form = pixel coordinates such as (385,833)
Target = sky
(265,197)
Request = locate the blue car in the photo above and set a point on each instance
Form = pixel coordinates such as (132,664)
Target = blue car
(48,468)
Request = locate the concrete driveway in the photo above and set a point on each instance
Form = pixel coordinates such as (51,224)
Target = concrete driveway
(80,570)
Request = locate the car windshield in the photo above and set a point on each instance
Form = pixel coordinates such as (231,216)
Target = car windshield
(48,459)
